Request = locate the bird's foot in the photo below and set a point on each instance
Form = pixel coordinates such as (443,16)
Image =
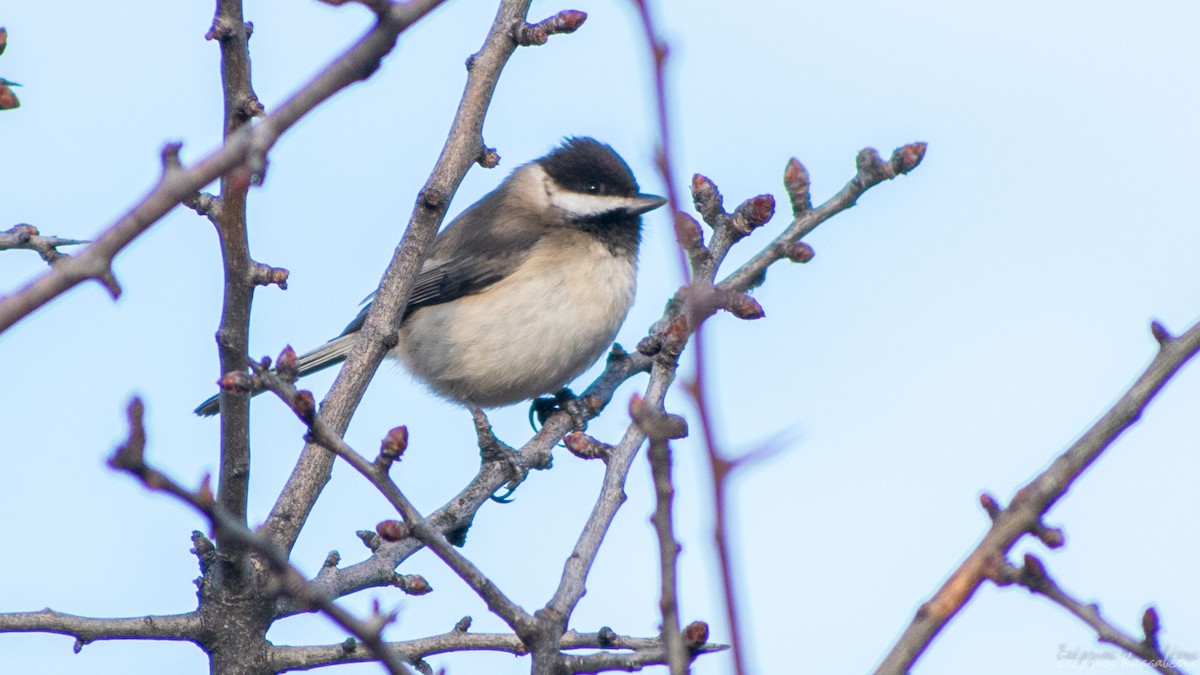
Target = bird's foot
(494,451)
(540,409)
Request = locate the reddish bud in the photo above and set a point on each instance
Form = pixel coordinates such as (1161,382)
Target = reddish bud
(797,251)
(392,530)
(675,336)
(570,20)
(707,199)
(305,406)
(412,584)
(395,443)
(908,157)
(797,184)
(286,363)
(745,307)
(757,210)
(236,381)
(1150,626)
(8,99)
(585,447)
(696,634)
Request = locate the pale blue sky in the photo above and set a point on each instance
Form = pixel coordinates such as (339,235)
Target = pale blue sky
(957,329)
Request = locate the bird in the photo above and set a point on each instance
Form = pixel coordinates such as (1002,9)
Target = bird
(525,289)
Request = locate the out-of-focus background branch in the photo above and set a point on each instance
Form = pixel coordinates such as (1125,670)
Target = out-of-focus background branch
(947,338)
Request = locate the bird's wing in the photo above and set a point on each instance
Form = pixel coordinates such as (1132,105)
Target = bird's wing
(465,259)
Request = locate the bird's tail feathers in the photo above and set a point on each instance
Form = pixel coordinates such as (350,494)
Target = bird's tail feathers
(332,352)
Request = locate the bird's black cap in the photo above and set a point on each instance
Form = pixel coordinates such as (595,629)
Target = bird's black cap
(588,166)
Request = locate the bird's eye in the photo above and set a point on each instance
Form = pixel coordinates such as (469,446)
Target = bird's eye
(592,187)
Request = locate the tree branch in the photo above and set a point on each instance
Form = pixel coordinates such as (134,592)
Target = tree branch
(130,458)
(1023,515)
(648,650)
(1033,576)
(28,237)
(246,148)
(232,33)
(86,629)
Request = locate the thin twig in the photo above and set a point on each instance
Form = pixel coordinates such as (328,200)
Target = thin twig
(87,629)
(27,237)
(1033,576)
(668,554)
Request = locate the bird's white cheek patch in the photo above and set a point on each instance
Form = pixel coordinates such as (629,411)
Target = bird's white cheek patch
(585,204)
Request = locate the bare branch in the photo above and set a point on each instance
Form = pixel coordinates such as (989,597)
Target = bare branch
(871,171)
(668,552)
(417,525)
(130,458)
(232,33)
(86,629)
(649,651)
(1023,516)
(27,236)
(1033,576)
(245,148)
(566,21)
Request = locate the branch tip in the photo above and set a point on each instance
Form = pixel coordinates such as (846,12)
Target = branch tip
(908,157)
(369,538)
(752,213)
(392,448)
(566,21)
(797,251)
(170,157)
(708,200)
(742,305)
(696,635)
(990,505)
(796,182)
(412,584)
(1150,628)
(285,364)
(265,275)
(305,406)
(1160,333)
(489,158)
(656,424)
(585,447)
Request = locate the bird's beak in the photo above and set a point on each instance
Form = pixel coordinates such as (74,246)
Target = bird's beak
(642,203)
